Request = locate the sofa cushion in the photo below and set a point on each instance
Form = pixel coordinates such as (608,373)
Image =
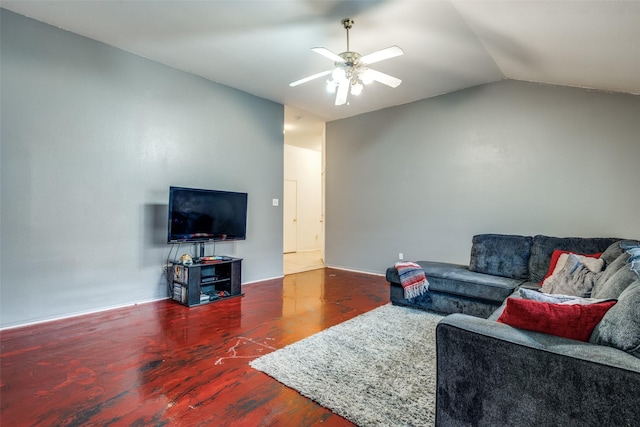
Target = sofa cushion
(458,280)
(543,247)
(620,327)
(574,321)
(443,303)
(501,255)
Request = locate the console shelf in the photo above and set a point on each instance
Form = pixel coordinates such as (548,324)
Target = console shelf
(205,282)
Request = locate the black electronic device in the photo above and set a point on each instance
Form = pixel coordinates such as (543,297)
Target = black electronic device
(198,216)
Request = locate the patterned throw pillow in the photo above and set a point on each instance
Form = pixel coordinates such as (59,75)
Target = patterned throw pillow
(573,279)
(559,258)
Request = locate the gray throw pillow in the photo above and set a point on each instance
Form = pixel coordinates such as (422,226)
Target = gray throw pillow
(612,268)
(611,253)
(620,327)
(573,279)
(614,285)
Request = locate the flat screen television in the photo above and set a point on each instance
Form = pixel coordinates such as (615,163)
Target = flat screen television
(198,216)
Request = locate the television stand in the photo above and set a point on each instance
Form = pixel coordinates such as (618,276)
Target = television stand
(206,281)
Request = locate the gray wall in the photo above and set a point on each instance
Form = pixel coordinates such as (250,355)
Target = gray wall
(509,157)
(92,138)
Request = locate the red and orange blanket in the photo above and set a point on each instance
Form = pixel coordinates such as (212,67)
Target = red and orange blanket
(412,278)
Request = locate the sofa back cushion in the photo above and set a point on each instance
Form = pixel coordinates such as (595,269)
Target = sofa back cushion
(501,255)
(543,247)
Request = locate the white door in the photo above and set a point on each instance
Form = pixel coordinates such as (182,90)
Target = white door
(290,216)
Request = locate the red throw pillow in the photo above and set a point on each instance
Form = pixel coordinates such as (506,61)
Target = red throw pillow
(575,321)
(555,255)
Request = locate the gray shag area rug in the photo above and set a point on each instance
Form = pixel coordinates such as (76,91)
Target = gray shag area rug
(377,369)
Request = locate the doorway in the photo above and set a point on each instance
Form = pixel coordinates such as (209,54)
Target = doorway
(303,195)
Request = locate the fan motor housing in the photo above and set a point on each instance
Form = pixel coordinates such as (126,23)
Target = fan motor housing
(351,59)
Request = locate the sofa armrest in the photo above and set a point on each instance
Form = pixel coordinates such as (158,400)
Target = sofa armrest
(489,374)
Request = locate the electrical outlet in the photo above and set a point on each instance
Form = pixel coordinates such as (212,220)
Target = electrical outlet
(166,268)
(400,256)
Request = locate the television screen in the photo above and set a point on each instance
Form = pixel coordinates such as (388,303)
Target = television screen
(206,215)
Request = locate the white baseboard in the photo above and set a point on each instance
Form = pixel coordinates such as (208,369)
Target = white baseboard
(80,313)
(262,280)
(373,273)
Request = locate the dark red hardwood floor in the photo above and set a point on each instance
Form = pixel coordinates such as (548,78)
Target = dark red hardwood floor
(161,363)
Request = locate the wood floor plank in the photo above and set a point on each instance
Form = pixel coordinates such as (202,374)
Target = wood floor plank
(161,363)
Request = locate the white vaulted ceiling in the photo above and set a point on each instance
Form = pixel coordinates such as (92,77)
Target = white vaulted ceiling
(261,46)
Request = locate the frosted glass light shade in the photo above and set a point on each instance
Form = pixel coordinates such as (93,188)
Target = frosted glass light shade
(356,88)
(365,77)
(338,74)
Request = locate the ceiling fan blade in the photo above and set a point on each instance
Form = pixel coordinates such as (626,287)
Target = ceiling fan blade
(383,78)
(306,79)
(390,52)
(328,54)
(343,91)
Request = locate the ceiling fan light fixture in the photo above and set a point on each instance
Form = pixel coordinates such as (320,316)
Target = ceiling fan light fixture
(351,72)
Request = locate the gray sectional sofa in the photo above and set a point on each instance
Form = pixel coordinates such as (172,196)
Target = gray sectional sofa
(490,373)
(498,265)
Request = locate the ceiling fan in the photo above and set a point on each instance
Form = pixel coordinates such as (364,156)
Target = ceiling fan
(351,71)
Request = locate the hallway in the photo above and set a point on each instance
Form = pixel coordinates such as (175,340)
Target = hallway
(297,262)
